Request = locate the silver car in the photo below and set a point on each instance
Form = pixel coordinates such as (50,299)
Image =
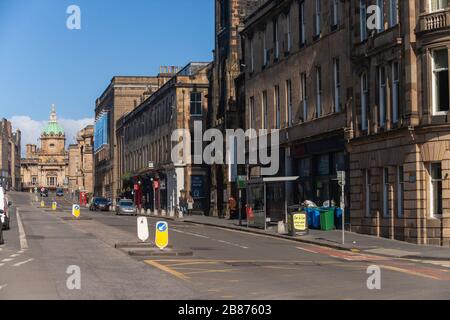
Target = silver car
(126,207)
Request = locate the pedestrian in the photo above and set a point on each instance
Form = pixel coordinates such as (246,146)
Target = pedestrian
(232,207)
(190,205)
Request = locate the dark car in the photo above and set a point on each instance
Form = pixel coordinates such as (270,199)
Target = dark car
(44,192)
(59,192)
(99,203)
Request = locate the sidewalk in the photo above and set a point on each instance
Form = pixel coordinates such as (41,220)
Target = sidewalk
(333,239)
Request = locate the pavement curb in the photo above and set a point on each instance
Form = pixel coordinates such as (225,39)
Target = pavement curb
(318,243)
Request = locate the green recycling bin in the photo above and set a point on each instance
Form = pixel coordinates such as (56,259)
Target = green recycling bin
(327,219)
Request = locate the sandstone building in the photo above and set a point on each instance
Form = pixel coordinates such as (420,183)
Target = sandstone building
(81,162)
(10,144)
(47,166)
(148,174)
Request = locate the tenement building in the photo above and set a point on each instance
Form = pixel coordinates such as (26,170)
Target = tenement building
(297,75)
(399,141)
(47,166)
(225,112)
(10,145)
(121,96)
(81,163)
(148,173)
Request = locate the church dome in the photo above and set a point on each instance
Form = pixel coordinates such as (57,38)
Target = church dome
(53,128)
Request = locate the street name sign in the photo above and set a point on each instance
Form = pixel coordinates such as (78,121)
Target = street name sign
(162,235)
(76,211)
(142,229)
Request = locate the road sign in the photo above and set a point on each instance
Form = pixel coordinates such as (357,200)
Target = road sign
(242,182)
(162,234)
(142,229)
(341,178)
(54,206)
(76,211)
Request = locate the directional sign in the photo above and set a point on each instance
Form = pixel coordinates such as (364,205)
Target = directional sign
(242,182)
(142,229)
(162,234)
(76,211)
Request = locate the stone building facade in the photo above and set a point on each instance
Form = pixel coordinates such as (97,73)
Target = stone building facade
(297,77)
(47,166)
(399,141)
(148,174)
(225,113)
(10,144)
(121,96)
(81,162)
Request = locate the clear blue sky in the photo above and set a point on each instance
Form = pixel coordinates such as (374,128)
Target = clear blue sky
(42,62)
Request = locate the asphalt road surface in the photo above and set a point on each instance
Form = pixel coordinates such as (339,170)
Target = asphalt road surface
(43,247)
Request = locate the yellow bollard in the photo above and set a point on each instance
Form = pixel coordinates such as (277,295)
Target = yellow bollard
(42,204)
(54,206)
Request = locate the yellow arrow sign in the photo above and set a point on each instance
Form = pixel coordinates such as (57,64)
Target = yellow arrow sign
(162,234)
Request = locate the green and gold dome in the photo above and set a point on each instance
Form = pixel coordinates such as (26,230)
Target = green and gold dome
(53,128)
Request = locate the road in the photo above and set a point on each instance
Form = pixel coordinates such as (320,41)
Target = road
(225,264)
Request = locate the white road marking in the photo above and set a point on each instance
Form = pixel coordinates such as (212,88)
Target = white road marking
(191,234)
(232,244)
(23,238)
(7,260)
(2,264)
(14,255)
(23,262)
(3,286)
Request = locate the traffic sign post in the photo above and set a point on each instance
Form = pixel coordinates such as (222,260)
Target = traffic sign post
(76,211)
(242,184)
(341,181)
(142,229)
(162,235)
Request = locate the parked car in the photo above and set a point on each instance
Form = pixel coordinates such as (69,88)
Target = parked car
(44,192)
(2,241)
(59,192)
(4,210)
(99,203)
(126,207)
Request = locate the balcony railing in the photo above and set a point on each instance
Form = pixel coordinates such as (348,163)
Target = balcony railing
(434,21)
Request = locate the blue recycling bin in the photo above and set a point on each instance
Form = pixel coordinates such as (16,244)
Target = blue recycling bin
(313,218)
(338,218)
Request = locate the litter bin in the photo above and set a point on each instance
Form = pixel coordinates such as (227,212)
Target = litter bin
(313,218)
(327,219)
(298,223)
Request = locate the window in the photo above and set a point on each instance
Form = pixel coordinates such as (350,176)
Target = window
(368,184)
(252,113)
(436,5)
(440,85)
(196,103)
(265,51)
(400,191)
(436,189)
(33,180)
(382,95)
(337,85)
(265,121)
(380,4)
(364,100)
(317,18)
(289,103)
(318,91)
(304,96)
(363,20)
(334,13)
(395,91)
(288,32)
(51,181)
(302,23)
(276,102)
(393,13)
(276,45)
(386,192)
(252,55)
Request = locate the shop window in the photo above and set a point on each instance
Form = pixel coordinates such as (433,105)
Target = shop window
(386,211)
(400,191)
(436,189)
(440,85)
(323,165)
(305,167)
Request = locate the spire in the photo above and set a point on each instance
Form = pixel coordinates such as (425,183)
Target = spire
(53,117)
